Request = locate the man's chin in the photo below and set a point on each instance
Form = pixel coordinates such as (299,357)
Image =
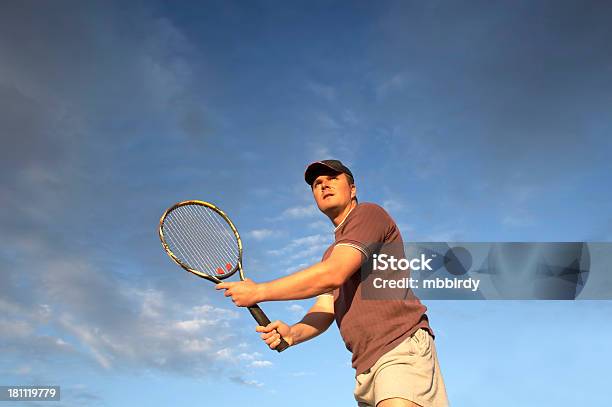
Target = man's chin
(329,208)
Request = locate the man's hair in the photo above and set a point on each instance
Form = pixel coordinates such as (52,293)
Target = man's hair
(350,178)
(351,182)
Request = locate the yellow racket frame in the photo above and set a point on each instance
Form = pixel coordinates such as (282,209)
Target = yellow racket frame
(198,273)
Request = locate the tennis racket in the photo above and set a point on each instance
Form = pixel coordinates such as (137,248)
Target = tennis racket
(202,239)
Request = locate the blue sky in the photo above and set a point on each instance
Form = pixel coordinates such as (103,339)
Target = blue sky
(468,121)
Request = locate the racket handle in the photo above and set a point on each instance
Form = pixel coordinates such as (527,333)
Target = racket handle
(263,320)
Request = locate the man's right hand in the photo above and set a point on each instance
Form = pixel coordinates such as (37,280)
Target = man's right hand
(270,333)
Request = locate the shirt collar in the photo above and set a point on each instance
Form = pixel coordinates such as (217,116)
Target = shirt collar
(347,215)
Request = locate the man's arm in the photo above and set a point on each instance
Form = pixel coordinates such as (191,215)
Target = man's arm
(318,279)
(316,321)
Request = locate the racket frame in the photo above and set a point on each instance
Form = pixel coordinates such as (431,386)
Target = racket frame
(215,279)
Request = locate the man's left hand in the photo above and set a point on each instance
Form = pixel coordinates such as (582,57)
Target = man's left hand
(244,293)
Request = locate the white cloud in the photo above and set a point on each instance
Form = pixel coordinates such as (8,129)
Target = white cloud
(296,309)
(326,92)
(298,267)
(260,363)
(321,153)
(207,310)
(194,324)
(390,85)
(245,382)
(224,354)
(205,316)
(326,121)
(393,205)
(15,329)
(310,240)
(248,356)
(261,234)
(100,320)
(152,303)
(297,212)
(302,374)
(197,345)
(321,226)
(302,247)
(91,337)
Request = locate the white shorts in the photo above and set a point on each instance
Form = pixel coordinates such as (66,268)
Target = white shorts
(409,371)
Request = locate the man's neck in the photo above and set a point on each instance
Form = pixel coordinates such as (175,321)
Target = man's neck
(339,218)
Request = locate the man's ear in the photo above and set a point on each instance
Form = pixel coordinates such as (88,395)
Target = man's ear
(353,191)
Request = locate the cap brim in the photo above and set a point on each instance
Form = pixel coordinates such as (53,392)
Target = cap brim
(317,168)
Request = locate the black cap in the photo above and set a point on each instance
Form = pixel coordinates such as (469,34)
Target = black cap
(318,167)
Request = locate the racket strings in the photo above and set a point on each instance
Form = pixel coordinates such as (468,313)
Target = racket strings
(230,242)
(186,245)
(176,242)
(195,242)
(220,249)
(207,237)
(201,239)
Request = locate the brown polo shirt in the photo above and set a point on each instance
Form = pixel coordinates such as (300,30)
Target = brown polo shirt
(372,327)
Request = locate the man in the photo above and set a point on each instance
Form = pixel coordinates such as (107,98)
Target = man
(392,344)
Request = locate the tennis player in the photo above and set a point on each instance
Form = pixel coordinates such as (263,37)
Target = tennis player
(391,341)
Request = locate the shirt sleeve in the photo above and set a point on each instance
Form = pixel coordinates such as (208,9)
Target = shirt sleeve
(366,229)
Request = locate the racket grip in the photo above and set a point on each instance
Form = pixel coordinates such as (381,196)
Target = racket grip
(263,320)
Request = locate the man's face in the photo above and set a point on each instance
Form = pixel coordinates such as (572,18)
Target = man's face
(333,191)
